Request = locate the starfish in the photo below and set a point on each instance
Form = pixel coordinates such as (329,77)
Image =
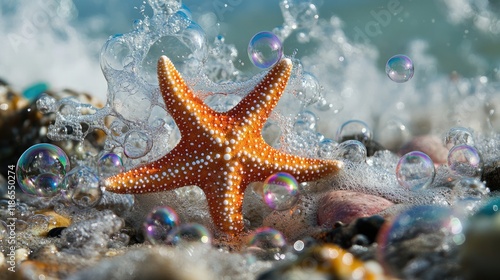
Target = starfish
(220,152)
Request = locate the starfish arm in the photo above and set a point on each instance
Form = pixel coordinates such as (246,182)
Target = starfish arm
(170,172)
(261,101)
(266,160)
(225,201)
(181,103)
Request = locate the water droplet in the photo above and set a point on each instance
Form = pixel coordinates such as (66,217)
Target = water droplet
(399,68)
(265,49)
(415,170)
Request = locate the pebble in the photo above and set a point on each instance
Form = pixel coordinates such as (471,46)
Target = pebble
(428,144)
(346,206)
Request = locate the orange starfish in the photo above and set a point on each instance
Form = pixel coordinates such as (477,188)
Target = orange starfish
(221,152)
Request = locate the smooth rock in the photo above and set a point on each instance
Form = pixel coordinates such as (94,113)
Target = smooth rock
(346,206)
(428,144)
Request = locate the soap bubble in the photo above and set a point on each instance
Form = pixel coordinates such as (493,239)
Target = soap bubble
(465,160)
(137,144)
(418,221)
(280,191)
(82,187)
(189,233)
(158,223)
(458,136)
(327,148)
(37,160)
(305,120)
(351,150)
(309,89)
(110,164)
(47,184)
(354,130)
(466,188)
(115,54)
(399,68)
(266,243)
(265,49)
(415,170)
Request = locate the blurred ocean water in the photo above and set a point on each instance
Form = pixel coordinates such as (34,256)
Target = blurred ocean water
(58,41)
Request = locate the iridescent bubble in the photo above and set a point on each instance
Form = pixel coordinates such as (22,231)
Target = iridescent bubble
(280,191)
(415,170)
(327,148)
(48,184)
(265,49)
(458,136)
(137,144)
(418,221)
(351,150)
(465,160)
(189,233)
(37,160)
(82,187)
(159,222)
(399,68)
(354,130)
(266,243)
(110,164)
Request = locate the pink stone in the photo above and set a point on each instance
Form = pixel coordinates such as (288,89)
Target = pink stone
(430,145)
(346,206)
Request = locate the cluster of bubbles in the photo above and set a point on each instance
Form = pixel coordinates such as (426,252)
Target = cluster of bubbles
(44,170)
(163,227)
